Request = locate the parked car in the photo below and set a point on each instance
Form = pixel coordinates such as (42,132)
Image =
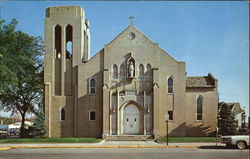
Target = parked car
(241,141)
(3,129)
(13,131)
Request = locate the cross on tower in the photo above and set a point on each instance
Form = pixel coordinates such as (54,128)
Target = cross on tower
(131,20)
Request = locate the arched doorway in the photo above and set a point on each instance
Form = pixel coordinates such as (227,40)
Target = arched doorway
(131,120)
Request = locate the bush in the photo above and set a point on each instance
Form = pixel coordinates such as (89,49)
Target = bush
(226,122)
(38,129)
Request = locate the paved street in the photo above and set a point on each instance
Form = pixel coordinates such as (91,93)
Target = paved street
(126,153)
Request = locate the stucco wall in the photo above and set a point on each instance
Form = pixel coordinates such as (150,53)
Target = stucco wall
(207,125)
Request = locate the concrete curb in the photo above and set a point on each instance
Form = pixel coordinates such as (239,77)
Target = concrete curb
(5,148)
(115,146)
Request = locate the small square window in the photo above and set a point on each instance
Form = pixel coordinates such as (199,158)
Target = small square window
(92,115)
(170,115)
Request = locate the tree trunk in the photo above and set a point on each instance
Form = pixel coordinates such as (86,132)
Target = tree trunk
(22,129)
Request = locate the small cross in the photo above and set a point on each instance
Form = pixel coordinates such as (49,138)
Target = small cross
(131,20)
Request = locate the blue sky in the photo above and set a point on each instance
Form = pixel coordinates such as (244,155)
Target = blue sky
(211,37)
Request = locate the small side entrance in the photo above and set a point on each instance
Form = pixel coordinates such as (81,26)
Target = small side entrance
(131,120)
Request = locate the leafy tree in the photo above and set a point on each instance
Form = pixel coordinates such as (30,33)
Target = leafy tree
(38,128)
(20,71)
(243,117)
(226,122)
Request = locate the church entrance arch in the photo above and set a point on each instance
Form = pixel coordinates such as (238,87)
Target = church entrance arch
(131,120)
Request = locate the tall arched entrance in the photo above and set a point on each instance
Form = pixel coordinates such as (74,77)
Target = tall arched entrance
(131,120)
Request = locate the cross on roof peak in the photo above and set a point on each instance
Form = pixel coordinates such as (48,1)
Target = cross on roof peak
(131,20)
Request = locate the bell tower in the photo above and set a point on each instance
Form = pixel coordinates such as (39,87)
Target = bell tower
(66,46)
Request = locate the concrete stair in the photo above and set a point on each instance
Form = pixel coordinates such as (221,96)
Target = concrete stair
(129,137)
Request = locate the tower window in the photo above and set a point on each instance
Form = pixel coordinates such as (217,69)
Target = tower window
(199,110)
(69,49)
(58,40)
(92,86)
(170,85)
(69,41)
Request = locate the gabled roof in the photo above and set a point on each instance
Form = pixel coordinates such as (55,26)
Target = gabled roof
(234,107)
(200,82)
(131,26)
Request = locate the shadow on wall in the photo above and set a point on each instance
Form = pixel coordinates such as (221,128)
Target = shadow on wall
(199,130)
(79,116)
(178,131)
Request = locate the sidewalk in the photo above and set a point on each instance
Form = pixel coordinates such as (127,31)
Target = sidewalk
(107,144)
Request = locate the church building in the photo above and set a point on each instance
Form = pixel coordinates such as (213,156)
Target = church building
(130,90)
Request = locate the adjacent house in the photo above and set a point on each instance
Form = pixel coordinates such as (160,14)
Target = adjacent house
(236,111)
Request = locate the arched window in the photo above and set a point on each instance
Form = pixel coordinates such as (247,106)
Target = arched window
(141,71)
(122,71)
(170,85)
(149,71)
(58,59)
(115,72)
(57,43)
(69,41)
(199,104)
(92,86)
(62,114)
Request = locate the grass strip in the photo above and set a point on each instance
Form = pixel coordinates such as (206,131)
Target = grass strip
(188,139)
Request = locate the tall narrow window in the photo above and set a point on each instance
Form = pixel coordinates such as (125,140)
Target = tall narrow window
(170,85)
(141,71)
(122,71)
(149,71)
(92,86)
(58,40)
(115,72)
(62,114)
(58,60)
(199,103)
(69,41)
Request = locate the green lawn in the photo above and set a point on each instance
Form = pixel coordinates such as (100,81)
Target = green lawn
(51,140)
(188,139)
